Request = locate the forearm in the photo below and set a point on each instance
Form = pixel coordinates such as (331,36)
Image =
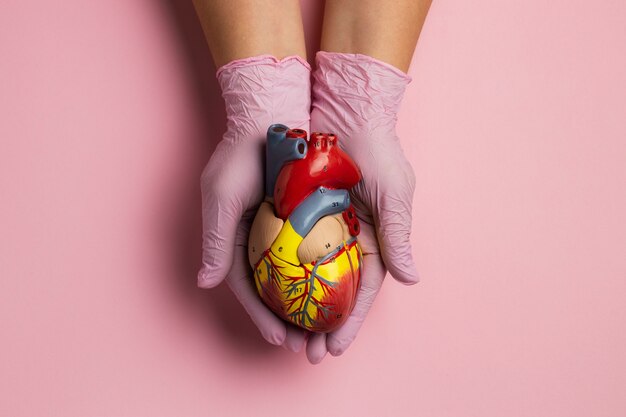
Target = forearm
(237,29)
(383,29)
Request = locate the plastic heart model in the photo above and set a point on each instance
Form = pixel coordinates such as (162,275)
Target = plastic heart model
(303,246)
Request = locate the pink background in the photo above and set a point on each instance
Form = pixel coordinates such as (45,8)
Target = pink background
(516,126)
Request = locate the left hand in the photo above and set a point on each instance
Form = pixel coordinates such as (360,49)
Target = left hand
(357,97)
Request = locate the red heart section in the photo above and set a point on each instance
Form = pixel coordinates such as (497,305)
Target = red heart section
(325,165)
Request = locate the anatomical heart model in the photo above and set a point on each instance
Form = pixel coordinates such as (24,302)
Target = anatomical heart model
(303,246)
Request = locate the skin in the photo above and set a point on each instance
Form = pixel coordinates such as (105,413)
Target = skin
(383,29)
(387,30)
(236,29)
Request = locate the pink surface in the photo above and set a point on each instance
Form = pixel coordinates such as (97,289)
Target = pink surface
(515,124)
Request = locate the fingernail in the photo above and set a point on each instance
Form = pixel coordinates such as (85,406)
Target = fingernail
(335,348)
(204,278)
(316,361)
(275,339)
(336,352)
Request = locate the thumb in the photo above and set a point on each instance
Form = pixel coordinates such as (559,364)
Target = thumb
(221,214)
(394,232)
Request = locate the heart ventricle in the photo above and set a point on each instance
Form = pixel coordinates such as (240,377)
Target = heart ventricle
(317,296)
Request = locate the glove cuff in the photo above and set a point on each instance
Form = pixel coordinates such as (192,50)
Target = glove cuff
(263,90)
(373,85)
(356,89)
(262,60)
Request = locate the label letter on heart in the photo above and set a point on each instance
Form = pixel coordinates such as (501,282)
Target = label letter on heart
(303,246)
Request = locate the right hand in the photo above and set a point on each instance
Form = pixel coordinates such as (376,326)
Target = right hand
(258,91)
(232,190)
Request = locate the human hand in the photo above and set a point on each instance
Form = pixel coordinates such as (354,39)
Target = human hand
(258,92)
(358,98)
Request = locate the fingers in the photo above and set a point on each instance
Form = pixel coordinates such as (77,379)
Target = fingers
(273,329)
(296,338)
(218,241)
(316,348)
(220,218)
(395,203)
(371,280)
(225,197)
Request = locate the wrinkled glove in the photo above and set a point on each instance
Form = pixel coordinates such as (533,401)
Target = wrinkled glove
(357,97)
(258,92)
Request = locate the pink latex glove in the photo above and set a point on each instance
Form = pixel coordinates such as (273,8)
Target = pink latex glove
(258,92)
(357,97)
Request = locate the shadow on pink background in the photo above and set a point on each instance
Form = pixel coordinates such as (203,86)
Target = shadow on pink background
(514,123)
